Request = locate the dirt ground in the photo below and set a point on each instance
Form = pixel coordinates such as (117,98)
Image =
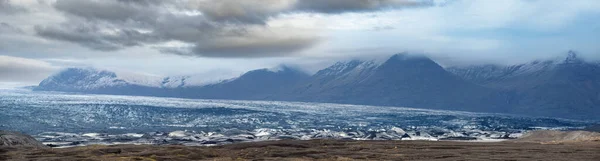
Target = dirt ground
(320,150)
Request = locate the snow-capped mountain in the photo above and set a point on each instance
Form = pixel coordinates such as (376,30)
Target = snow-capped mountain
(251,85)
(81,79)
(341,74)
(402,80)
(347,68)
(568,86)
(490,75)
(89,80)
(184,81)
(257,84)
(85,79)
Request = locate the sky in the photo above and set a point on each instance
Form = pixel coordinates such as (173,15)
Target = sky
(224,38)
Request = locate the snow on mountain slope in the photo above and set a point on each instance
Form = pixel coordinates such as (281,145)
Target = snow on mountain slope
(341,68)
(566,87)
(139,79)
(76,79)
(193,80)
(487,73)
(172,81)
(73,79)
(402,80)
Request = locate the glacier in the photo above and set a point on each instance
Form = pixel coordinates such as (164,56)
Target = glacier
(67,119)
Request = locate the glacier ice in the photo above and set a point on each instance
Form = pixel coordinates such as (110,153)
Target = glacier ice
(64,119)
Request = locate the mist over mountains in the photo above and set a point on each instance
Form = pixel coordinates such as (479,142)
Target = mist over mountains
(564,88)
(556,88)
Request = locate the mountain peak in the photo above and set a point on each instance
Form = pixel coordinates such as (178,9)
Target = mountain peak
(408,57)
(277,71)
(74,74)
(81,78)
(572,58)
(404,60)
(282,68)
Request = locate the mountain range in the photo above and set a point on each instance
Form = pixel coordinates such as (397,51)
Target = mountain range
(555,88)
(565,88)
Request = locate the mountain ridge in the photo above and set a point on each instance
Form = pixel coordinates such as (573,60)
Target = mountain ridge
(540,88)
(570,86)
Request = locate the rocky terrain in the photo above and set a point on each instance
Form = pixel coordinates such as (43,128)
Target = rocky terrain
(559,137)
(320,150)
(8,138)
(574,145)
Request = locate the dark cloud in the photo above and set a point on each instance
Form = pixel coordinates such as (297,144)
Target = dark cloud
(257,11)
(193,29)
(341,6)
(6,7)
(95,38)
(256,47)
(14,69)
(110,10)
(6,28)
(214,28)
(246,11)
(250,42)
(144,2)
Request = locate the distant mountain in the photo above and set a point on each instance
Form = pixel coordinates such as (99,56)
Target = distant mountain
(402,80)
(566,88)
(262,84)
(326,83)
(490,75)
(88,80)
(85,79)
(557,88)
(257,84)
(74,79)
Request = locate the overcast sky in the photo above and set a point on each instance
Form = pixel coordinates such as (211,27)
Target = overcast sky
(227,37)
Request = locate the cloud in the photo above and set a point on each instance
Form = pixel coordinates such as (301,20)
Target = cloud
(254,46)
(258,11)
(6,28)
(297,29)
(15,69)
(94,38)
(6,7)
(235,11)
(110,10)
(212,28)
(342,6)
(254,42)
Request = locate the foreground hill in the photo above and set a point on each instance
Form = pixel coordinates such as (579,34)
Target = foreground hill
(320,150)
(560,137)
(16,139)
